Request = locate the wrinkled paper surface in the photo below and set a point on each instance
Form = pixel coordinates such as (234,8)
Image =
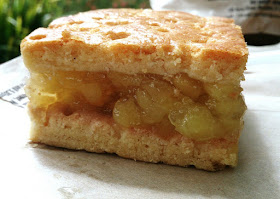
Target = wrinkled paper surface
(254,16)
(29,170)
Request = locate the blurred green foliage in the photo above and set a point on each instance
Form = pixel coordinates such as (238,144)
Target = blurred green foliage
(19,17)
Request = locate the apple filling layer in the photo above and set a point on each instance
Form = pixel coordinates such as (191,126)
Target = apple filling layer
(176,103)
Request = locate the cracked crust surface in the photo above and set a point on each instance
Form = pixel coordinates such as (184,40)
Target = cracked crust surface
(140,41)
(95,132)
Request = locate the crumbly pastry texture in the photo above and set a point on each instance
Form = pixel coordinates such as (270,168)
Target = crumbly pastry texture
(140,41)
(98,133)
(157,46)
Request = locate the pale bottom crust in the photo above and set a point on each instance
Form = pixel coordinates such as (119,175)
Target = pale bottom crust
(96,132)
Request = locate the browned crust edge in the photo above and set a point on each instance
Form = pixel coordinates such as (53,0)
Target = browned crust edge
(208,49)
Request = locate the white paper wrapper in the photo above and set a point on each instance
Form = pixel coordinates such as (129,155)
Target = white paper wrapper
(254,16)
(30,170)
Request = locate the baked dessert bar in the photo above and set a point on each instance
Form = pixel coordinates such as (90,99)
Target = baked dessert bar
(154,86)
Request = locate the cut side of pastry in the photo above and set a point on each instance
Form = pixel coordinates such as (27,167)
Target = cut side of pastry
(154,86)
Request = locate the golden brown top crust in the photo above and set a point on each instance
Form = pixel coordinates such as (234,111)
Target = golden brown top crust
(133,41)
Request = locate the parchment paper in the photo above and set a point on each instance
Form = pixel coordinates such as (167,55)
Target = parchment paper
(30,170)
